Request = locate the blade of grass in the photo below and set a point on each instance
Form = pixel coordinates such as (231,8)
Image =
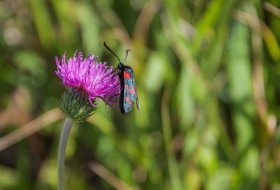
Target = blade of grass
(169,146)
(30,128)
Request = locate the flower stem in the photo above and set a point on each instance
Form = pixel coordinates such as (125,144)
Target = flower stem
(61,152)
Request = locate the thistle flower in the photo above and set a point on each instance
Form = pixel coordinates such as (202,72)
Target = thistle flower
(89,81)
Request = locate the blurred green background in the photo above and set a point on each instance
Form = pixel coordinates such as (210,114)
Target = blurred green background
(207,75)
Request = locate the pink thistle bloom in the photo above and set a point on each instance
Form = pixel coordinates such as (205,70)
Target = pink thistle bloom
(96,79)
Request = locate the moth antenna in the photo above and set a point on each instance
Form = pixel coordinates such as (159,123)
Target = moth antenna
(111,51)
(126,54)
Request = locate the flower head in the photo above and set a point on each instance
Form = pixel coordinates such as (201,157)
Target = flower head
(96,79)
(89,82)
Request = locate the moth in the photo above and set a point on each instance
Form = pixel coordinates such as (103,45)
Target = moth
(127,83)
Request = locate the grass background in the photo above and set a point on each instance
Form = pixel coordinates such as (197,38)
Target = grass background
(207,75)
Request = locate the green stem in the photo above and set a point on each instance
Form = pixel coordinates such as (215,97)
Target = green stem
(61,152)
(169,147)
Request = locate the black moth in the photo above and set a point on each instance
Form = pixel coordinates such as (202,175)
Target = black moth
(127,82)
